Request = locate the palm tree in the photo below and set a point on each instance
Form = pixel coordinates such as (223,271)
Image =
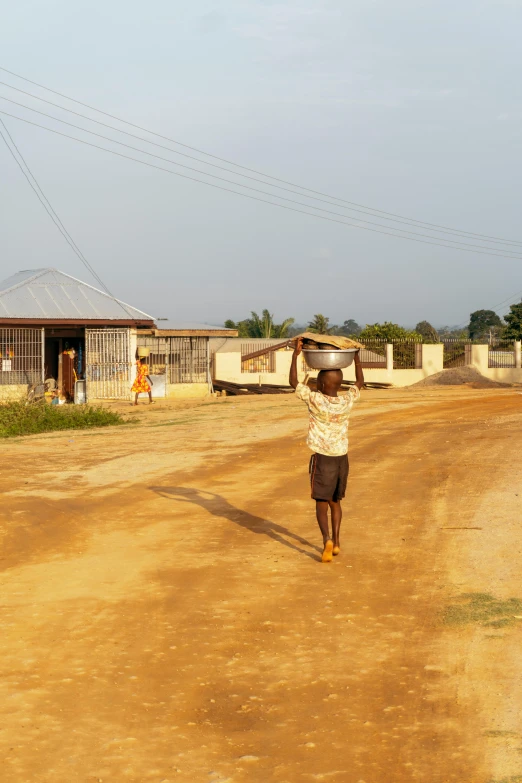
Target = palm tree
(263,326)
(320,325)
(281,330)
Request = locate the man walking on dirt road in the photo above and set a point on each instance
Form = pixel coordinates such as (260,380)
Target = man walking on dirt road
(328,439)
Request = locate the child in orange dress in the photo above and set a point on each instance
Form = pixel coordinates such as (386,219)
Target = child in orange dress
(143,383)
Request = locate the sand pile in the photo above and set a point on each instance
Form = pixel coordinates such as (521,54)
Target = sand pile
(457,376)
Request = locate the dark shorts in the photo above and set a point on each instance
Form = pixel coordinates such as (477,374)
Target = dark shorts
(328,476)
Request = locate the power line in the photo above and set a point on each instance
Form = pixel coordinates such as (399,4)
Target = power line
(509,299)
(494,307)
(45,202)
(482,249)
(255,198)
(51,211)
(42,199)
(385,215)
(407,222)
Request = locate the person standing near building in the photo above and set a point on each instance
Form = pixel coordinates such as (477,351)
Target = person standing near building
(328,440)
(143,383)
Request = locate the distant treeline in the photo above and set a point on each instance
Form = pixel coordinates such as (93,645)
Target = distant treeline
(482,323)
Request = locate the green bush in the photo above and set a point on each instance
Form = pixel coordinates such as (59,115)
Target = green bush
(20,418)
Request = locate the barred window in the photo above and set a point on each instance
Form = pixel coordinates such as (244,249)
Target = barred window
(21,359)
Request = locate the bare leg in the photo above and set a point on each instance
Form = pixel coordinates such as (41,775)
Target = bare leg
(150,397)
(136,399)
(337,515)
(321,510)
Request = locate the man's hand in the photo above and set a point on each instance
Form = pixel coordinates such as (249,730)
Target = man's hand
(298,346)
(292,380)
(359,375)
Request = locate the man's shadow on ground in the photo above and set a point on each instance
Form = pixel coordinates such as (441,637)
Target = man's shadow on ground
(219,507)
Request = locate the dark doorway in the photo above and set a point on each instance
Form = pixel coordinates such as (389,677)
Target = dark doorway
(51,361)
(65,359)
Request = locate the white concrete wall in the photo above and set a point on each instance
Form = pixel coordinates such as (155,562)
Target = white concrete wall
(227,367)
(480,358)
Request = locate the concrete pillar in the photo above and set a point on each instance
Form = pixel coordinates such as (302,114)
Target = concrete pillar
(432,358)
(283,360)
(389,357)
(518,354)
(480,357)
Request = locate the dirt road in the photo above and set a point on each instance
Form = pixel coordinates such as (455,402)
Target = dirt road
(165,616)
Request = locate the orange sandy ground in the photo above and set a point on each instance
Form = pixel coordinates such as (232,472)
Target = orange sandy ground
(165,617)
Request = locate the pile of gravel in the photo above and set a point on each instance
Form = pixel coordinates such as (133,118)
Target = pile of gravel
(457,376)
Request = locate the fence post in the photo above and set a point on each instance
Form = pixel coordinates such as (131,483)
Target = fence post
(389,357)
(432,358)
(418,355)
(480,357)
(133,349)
(518,354)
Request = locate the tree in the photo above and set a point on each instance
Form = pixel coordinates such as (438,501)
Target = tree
(263,326)
(320,325)
(428,333)
(296,329)
(455,332)
(240,326)
(481,322)
(403,350)
(349,328)
(282,330)
(513,328)
(387,331)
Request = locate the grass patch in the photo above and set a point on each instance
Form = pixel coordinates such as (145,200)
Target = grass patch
(483,609)
(511,779)
(17,418)
(500,734)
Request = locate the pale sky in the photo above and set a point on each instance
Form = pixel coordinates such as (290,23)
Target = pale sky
(410,107)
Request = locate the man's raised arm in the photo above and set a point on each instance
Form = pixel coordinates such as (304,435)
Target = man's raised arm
(359,375)
(293,367)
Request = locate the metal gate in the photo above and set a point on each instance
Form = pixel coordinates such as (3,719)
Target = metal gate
(21,356)
(108,365)
(457,352)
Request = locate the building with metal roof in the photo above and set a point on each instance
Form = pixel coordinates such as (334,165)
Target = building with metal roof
(56,329)
(42,296)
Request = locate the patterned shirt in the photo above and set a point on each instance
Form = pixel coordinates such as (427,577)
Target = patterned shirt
(328,427)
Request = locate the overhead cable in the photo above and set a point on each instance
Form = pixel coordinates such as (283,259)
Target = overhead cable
(482,249)
(365,211)
(31,179)
(390,216)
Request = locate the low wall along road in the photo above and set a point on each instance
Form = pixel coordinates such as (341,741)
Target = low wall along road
(227,367)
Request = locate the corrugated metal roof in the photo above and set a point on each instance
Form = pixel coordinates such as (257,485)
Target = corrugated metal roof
(49,293)
(190,326)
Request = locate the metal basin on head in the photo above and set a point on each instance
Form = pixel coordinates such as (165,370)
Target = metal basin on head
(329,360)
